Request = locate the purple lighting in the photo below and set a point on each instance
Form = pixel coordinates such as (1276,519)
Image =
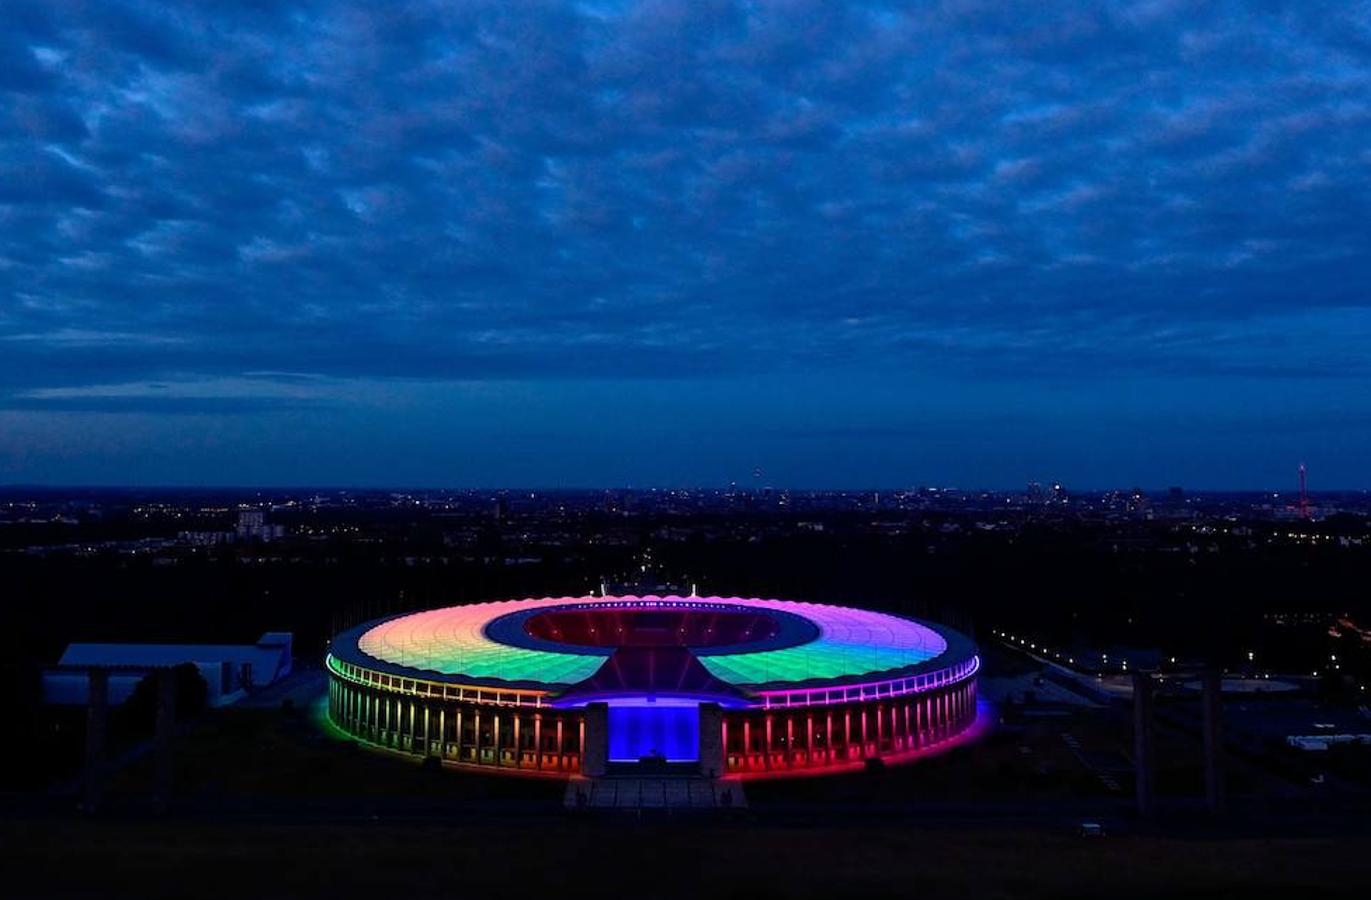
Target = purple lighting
(760,686)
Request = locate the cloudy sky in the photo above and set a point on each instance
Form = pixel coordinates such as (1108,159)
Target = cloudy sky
(973,242)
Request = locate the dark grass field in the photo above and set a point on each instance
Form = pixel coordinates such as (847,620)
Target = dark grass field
(557,856)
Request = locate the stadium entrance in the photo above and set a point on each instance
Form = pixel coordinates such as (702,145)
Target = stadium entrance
(654,732)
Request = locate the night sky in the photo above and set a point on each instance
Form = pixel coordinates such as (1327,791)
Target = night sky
(970,242)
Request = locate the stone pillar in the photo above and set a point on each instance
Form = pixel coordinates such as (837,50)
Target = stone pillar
(97,724)
(1142,741)
(595,744)
(164,739)
(711,739)
(1213,742)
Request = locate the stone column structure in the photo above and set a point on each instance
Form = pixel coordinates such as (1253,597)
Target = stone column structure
(711,739)
(595,750)
(1143,741)
(97,727)
(165,737)
(1212,699)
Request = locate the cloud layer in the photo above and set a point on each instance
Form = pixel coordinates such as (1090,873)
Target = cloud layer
(206,196)
(525,189)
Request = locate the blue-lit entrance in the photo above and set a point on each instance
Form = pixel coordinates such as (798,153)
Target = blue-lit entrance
(662,730)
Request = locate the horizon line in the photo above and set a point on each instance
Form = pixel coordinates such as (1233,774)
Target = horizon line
(54,486)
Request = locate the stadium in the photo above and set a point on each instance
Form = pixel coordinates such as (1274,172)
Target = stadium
(714,685)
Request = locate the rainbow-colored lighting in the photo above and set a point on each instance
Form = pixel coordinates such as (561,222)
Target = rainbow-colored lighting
(849,643)
(452,641)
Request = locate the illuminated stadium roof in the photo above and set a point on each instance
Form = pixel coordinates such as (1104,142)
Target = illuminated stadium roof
(731,647)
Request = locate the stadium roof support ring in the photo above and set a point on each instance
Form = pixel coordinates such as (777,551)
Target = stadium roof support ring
(515,684)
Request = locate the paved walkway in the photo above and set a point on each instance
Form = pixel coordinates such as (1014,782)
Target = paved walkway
(655,793)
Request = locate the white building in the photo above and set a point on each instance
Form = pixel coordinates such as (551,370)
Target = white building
(230,670)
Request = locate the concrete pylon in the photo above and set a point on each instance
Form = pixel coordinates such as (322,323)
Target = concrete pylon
(1214,793)
(164,738)
(711,740)
(595,753)
(1143,742)
(97,726)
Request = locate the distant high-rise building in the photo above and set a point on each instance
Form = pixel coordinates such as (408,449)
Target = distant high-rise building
(253,526)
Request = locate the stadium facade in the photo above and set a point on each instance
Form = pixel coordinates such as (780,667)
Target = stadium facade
(722,685)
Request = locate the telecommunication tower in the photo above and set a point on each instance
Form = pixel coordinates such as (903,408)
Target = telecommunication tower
(1304,494)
